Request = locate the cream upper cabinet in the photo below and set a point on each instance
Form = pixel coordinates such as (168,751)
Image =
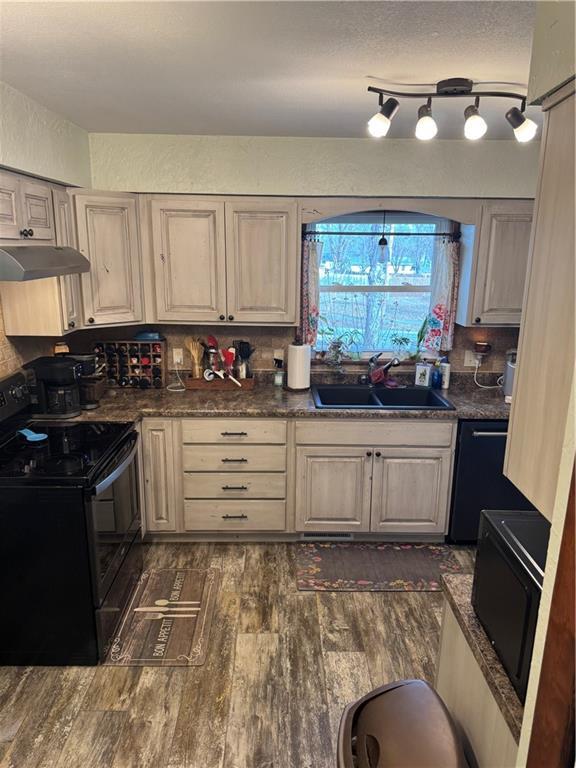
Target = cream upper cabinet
(410,490)
(10,225)
(108,237)
(25,208)
(262,261)
(37,216)
(69,284)
(540,446)
(189,259)
(51,306)
(333,488)
(494,259)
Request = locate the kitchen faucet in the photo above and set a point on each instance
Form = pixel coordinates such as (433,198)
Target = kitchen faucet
(373,364)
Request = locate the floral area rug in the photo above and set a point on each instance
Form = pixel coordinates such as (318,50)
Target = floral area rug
(167,622)
(374,567)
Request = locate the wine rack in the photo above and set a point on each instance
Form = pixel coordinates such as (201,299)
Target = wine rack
(133,364)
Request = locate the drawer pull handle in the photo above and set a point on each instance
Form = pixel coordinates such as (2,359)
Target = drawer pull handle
(235,517)
(234,487)
(234,461)
(489,434)
(234,434)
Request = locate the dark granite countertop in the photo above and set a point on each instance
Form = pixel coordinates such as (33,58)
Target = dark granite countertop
(267,401)
(458,591)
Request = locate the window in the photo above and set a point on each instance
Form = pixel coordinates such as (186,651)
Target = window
(382,295)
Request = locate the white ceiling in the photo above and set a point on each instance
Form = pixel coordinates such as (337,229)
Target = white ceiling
(258,68)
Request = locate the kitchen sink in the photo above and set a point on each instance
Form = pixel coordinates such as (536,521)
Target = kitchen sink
(379,398)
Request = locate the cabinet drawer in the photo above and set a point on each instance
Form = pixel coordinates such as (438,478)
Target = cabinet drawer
(234,515)
(223,485)
(233,431)
(402,432)
(234,458)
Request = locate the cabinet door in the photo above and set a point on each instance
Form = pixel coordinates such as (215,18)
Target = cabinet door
(189,260)
(262,261)
(36,206)
(502,261)
(410,490)
(158,461)
(9,208)
(540,446)
(108,237)
(333,488)
(69,284)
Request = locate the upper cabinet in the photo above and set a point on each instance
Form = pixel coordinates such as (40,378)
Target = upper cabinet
(494,257)
(25,209)
(262,261)
(189,259)
(70,297)
(232,262)
(108,237)
(52,306)
(540,447)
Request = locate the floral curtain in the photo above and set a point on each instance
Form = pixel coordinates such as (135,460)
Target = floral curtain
(310,303)
(440,328)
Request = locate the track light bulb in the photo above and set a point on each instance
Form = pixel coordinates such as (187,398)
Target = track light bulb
(524,128)
(426,127)
(379,124)
(475,126)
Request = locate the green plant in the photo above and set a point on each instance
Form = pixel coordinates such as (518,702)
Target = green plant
(421,335)
(400,344)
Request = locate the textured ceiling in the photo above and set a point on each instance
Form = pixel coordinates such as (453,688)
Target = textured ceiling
(257,68)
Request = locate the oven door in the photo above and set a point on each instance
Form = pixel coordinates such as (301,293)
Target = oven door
(114,516)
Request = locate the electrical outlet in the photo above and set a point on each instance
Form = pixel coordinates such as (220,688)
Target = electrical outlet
(470,359)
(177,357)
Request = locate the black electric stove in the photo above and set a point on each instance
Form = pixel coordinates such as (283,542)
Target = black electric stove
(69,532)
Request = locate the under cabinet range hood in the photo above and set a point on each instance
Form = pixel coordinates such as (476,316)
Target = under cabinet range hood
(33,262)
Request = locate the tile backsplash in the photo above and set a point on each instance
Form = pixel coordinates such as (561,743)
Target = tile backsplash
(265,340)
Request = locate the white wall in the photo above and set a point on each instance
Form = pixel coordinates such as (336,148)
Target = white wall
(553,53)
(37,141)
(302,166)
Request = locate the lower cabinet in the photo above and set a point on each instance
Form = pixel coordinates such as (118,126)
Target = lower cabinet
(159,481)
(333,486)
(410,490)
(388,486)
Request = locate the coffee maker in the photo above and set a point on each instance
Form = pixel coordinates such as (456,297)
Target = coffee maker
(56,393)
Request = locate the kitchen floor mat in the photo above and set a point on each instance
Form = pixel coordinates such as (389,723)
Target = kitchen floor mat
(377,567)
(167,622)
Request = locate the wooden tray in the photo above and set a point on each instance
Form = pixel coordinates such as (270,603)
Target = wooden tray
(220,385)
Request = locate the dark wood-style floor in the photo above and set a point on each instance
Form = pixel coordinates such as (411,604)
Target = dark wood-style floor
(282,665)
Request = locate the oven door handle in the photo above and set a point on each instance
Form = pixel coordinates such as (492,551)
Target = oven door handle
(118,470)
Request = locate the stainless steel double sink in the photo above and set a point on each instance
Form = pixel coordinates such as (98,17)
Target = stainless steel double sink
(332,396)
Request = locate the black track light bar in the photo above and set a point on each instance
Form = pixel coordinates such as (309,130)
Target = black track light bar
(456,93)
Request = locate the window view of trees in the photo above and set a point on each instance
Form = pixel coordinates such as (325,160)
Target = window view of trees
(380,294)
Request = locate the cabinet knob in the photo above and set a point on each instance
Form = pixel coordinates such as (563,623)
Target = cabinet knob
(30,233)
(24,232)
(230,317)
(90,320)
(222,317)
(368,453)
(71,324)
(477,320)
(378,454)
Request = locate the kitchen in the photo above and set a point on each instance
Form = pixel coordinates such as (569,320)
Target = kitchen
(260,375)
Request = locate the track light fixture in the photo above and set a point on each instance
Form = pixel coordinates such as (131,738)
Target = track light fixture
(475,126)
(524,128)
(426,127)
(379,124)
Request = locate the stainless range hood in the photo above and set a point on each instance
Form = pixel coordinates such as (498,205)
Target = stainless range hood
(32,262)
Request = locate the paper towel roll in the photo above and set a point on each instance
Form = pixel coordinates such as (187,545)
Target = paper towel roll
(298,366)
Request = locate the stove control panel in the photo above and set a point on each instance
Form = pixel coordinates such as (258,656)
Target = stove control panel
(14,395)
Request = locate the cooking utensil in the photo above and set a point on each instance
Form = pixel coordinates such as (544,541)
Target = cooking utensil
(155,616)
(196,350)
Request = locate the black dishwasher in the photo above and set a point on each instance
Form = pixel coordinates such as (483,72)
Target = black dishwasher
(479,482)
